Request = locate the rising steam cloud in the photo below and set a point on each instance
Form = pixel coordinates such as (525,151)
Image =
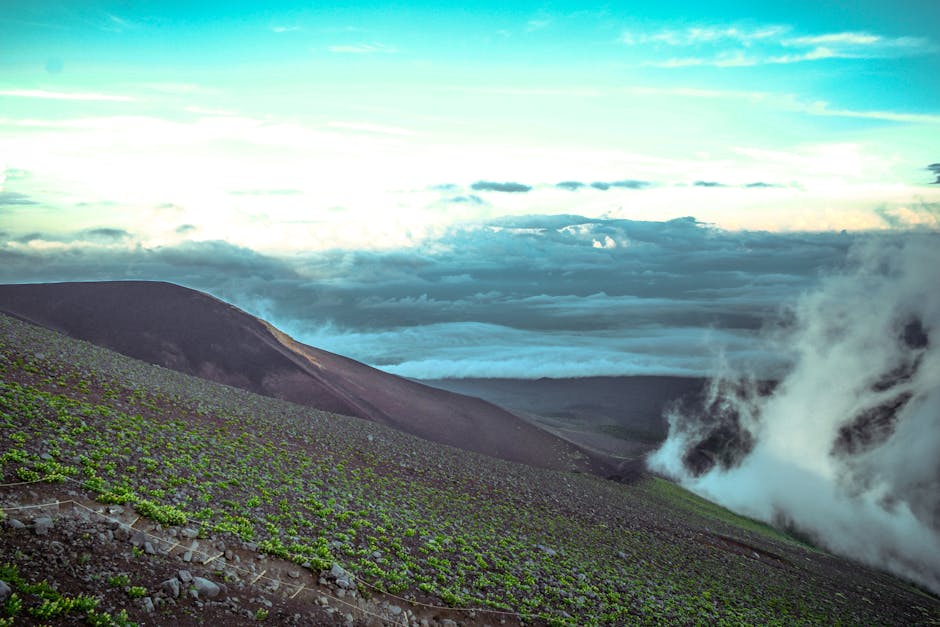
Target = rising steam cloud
(845,447)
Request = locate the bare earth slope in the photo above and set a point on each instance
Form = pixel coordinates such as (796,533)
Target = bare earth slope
(194,333)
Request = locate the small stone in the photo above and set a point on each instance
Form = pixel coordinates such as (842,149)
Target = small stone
(5,591)
(171,587)
(323,601)
(16,524)
(293,574)
(394,610)
(148,605)
(185,576)
(188,556)
(448,623)
(139,539)
(42,525)
(148,549)
(122,532)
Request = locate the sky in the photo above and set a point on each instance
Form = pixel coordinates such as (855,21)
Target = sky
(528,189)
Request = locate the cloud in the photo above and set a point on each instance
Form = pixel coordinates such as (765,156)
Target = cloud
(762,185)
(107,234)
(859,404)
(698,35)
(784,101)
(935,169)
(363,48)
(734,46)
(185,229)
(631,184)
(266,192)
(9,199)
(470,199)
(491,186)
(529,296)
(570,185)
(285,29)
(60,95)
(708,184)
(13,174)
(365,127)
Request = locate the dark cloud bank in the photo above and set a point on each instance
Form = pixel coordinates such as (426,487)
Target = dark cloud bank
(516,297)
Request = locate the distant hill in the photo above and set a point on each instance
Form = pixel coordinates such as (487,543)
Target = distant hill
(621,417)
(197,334)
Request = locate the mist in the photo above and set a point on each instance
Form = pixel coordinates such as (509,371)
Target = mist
(845,446)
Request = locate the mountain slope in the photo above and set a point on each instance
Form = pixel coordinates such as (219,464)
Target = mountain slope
(117,477)
(196,334)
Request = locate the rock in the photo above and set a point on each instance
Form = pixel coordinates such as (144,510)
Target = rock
(5,591)
(148,549)
(448,623)
(343,579)
(548,551)
(205,588)
(139,539)
(185,576)
(323,601)
(42,525)
(189,532)
(15,524)
(148,605)
(188,556)
(122,532)
(293,574)
(171,587)
(394,610)
(621,555)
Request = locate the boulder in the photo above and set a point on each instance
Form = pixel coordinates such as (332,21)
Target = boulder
(205,588)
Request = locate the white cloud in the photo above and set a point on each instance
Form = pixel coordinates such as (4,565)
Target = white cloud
(733,46)
(62,95)
(857,39)
(366,127)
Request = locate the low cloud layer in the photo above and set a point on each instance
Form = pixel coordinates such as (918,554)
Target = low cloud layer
(845,448)
(493,186)
(935,169)
(523,297)
(15,198)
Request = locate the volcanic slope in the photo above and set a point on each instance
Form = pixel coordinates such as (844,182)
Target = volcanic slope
(121,483)
(194,333)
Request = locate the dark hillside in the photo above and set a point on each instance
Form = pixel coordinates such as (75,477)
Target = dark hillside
(194,333)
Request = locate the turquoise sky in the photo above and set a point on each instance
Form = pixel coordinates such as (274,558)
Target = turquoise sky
(287,127)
